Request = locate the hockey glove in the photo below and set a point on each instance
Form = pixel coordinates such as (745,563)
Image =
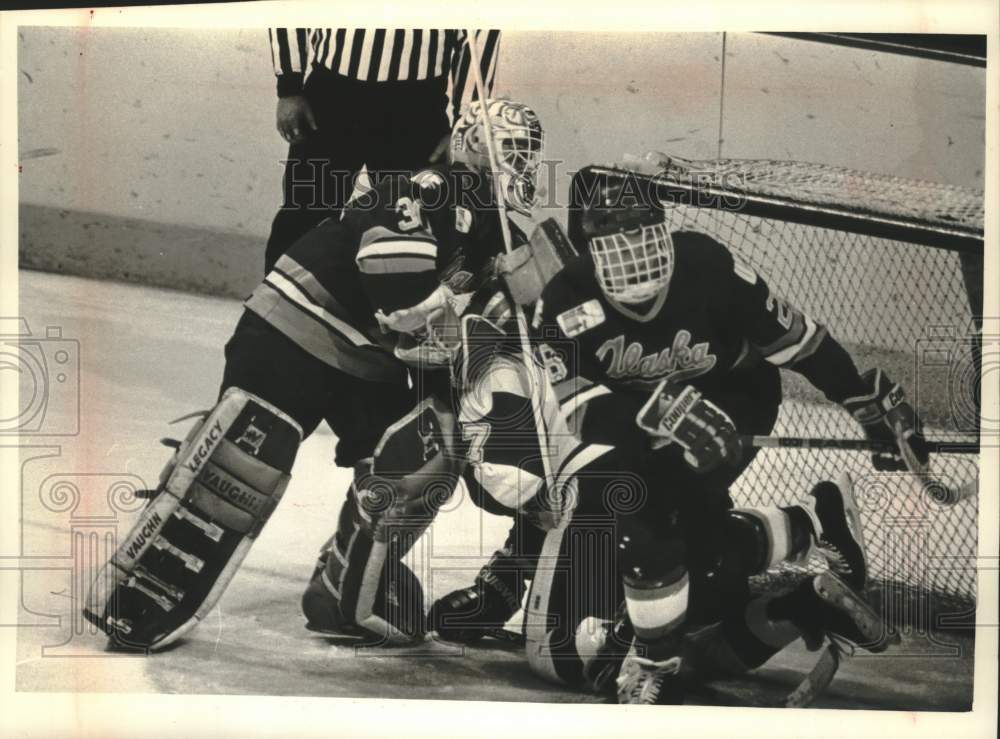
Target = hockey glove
(706,434)
(886,416)
(429,333)
(469,614)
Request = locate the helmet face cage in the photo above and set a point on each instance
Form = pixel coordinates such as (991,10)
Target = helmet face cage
(519,143)
(634,266)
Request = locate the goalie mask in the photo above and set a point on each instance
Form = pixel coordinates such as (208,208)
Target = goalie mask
(630,243)
(518,141)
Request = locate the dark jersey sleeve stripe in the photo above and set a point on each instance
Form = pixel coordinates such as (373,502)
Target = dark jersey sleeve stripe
(432,49)
(289,63)
(355,62)
(414,71)
(338,48)
(322,43)
(303,48)
(378,47)
(284,53)
(463,81)
(460,76)
(316,40)
(399,37)
(489,59)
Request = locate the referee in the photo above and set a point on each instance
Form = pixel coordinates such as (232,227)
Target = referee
(353,97)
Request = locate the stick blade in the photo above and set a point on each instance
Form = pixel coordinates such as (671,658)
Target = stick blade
(818,679)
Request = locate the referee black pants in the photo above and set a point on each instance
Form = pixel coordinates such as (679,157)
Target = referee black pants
(388,126)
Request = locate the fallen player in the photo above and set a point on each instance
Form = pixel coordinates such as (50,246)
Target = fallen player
(647,316)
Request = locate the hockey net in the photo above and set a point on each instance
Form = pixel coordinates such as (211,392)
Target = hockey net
(893,268)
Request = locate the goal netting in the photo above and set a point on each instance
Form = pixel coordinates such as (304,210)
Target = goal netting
(893,268)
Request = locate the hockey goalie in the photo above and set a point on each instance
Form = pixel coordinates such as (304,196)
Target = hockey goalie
(315,344)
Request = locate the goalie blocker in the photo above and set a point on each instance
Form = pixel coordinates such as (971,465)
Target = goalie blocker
(214,497)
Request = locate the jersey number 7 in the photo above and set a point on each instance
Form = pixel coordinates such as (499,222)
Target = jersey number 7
(476,434)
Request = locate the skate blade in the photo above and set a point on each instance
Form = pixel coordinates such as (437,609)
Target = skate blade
(343,633)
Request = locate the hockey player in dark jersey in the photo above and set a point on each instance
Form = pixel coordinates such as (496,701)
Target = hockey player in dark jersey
(661,345)
(325,336)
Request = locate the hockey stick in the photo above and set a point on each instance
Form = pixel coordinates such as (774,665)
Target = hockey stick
(818,679)
(936,489)
(802,696)
(522,323)
(507,636)
(861,445)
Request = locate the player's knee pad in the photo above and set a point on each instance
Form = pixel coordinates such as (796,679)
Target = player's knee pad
(756,539)
(650,552)
(657,607)
(656,582)
(214,497)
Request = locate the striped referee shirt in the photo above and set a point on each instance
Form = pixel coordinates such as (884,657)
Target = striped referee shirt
(384,55)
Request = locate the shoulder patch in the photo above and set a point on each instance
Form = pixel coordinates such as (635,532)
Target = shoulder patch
(463,219)
(582,318)
(744,270)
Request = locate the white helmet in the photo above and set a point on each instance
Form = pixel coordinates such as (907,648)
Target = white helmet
(518,141)
(630,243)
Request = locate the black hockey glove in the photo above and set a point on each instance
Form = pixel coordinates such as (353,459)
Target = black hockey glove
(468,614)
(886,416)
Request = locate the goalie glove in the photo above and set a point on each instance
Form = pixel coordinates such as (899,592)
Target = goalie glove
(702,429)
(428,333)
(886,416)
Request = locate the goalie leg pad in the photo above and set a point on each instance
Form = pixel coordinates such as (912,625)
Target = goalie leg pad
(214,498)
(362,585)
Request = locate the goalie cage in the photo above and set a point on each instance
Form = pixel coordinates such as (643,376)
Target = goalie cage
(894,268)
